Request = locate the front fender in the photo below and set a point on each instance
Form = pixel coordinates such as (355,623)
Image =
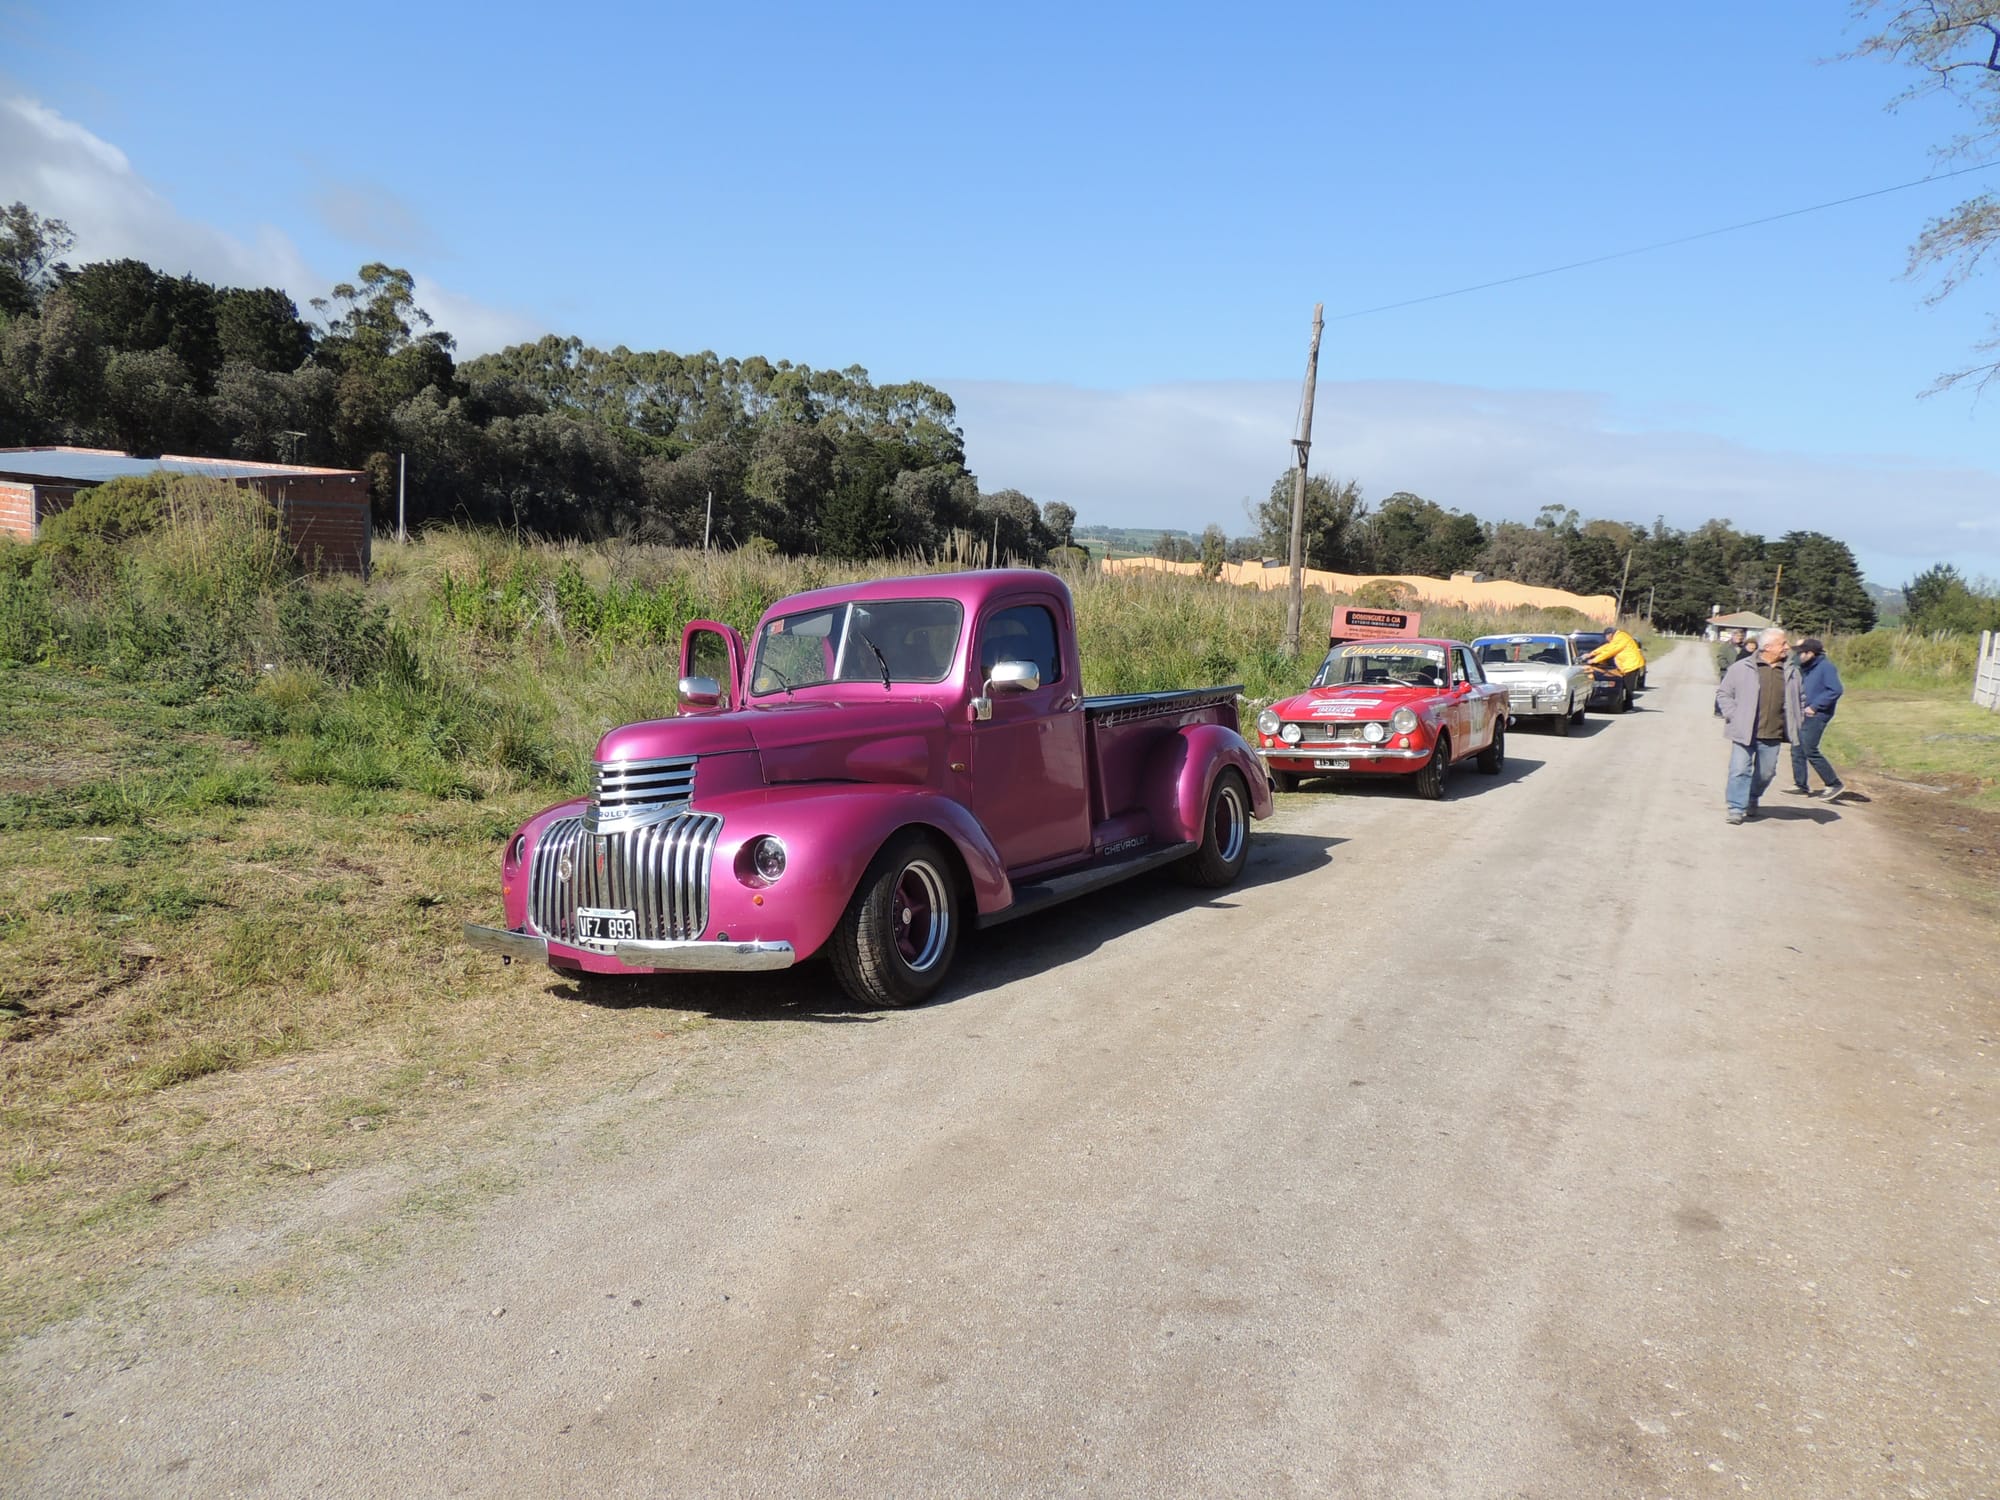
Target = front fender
(513,875)
(831,832)
(1182,772)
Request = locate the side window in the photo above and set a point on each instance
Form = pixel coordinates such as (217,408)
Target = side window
(1027,632)
(1468,669)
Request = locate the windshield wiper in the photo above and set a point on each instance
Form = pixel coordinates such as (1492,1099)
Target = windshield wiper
(878,656)
(783,682)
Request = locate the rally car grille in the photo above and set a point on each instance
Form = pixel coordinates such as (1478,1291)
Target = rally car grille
(632,793)
(659,873)
(1322,734)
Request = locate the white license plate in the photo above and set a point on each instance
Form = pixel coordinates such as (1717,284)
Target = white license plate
(600,924)
(1329,765)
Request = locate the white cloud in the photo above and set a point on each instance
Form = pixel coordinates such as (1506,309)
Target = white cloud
(1184,455)
(63,171)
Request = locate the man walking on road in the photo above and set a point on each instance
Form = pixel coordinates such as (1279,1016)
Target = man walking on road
(1819,693)
(1758,699)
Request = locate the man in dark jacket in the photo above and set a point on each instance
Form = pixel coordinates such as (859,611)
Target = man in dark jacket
(1819,692)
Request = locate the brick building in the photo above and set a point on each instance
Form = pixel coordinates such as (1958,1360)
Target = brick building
(325,511)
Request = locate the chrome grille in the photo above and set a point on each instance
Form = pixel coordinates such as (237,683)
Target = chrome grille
(1323,733)
(660,872)
(632,793)
(1520,697)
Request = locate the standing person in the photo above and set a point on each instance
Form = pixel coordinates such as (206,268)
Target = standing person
(1761,710)
(1819,693)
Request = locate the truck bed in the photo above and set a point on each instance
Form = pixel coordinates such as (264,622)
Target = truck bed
(1125,729)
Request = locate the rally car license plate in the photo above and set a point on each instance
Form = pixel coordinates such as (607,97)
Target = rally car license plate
(599,924)
(1329,765)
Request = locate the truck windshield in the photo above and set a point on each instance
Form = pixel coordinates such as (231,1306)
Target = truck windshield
(889,640)
(1382,664)
(1546,650)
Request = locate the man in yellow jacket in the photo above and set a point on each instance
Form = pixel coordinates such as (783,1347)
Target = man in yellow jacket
(1620,654)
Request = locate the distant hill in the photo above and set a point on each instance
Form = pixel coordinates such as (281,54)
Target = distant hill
(1889,603)
(1125,541)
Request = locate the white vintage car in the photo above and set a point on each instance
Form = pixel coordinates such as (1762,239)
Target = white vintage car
(1542,675)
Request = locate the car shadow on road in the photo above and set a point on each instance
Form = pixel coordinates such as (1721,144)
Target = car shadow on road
(986,960)
(1592,724)
(1797,815)
(1466,780)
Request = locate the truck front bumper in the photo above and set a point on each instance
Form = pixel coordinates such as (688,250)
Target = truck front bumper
(676,957)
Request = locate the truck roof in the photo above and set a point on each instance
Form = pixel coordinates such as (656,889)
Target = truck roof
(971,589)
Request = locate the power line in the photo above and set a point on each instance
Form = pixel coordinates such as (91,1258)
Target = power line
(1686,239)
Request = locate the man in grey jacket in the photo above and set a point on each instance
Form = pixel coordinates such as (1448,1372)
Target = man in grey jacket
(1761,710)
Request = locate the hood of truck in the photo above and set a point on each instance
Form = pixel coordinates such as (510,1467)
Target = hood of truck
(1534,671)
(900,741)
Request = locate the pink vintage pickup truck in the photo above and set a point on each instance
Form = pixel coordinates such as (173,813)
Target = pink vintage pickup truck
(884,764)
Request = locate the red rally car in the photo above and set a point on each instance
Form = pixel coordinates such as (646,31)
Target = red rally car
(1388,708)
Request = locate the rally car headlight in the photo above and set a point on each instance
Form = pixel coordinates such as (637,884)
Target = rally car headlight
(1403,720)
(1554,690)
(1267,722)
(1291,734)
(1374,733)
(520,850)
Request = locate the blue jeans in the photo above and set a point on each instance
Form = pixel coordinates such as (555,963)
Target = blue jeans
(1806,753)
(1751,768)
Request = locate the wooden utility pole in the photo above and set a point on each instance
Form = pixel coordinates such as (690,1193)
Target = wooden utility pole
(1774,592)
(1302,448)
(1623,578)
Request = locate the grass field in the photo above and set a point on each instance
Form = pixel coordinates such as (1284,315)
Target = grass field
(242,818)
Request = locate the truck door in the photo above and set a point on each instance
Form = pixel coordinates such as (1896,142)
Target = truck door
(1030,778)
(714,651)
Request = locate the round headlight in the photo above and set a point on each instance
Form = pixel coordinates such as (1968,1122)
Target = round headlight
(1267,722)
(520,850)
(1291,734)
(1374,733)
(767,857)
(1554,690)
(1403,720)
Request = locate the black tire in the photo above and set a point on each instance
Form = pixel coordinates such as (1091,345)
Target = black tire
(1578,716)
(1560,725)
(1436,772)
(896,940)
(1494,756)
(1286,781)
(1225,835)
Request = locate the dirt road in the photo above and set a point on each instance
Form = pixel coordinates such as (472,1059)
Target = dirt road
(1388,1173)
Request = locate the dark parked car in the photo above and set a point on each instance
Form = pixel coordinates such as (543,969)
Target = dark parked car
(1609,692)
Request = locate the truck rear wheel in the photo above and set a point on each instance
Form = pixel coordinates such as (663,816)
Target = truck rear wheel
(895,942)
(1225,835)
(1436,771)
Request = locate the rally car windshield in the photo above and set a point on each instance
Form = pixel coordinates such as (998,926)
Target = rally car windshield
(1546,650)
(1382,664)
(891,640)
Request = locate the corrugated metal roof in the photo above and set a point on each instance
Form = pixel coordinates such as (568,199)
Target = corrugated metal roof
(95,466)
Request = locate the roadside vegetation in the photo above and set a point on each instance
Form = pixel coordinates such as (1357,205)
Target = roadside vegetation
(1908,713)
(243,814)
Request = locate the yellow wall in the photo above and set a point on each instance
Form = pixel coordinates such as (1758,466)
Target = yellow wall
(1494,594)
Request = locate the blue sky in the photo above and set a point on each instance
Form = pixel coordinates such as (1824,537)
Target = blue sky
(1103,228)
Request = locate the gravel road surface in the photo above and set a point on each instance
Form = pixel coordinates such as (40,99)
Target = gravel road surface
(1556,1140)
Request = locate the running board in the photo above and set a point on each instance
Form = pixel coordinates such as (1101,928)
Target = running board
(1040,894)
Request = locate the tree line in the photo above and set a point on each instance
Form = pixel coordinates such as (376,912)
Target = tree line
(554,437)
(1679,576)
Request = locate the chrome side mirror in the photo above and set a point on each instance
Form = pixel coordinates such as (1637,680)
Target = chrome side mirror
(1008,677)
(1014,677)
(700,692)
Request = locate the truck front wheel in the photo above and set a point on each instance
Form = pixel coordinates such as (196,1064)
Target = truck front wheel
(1225,835)
(895,942)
